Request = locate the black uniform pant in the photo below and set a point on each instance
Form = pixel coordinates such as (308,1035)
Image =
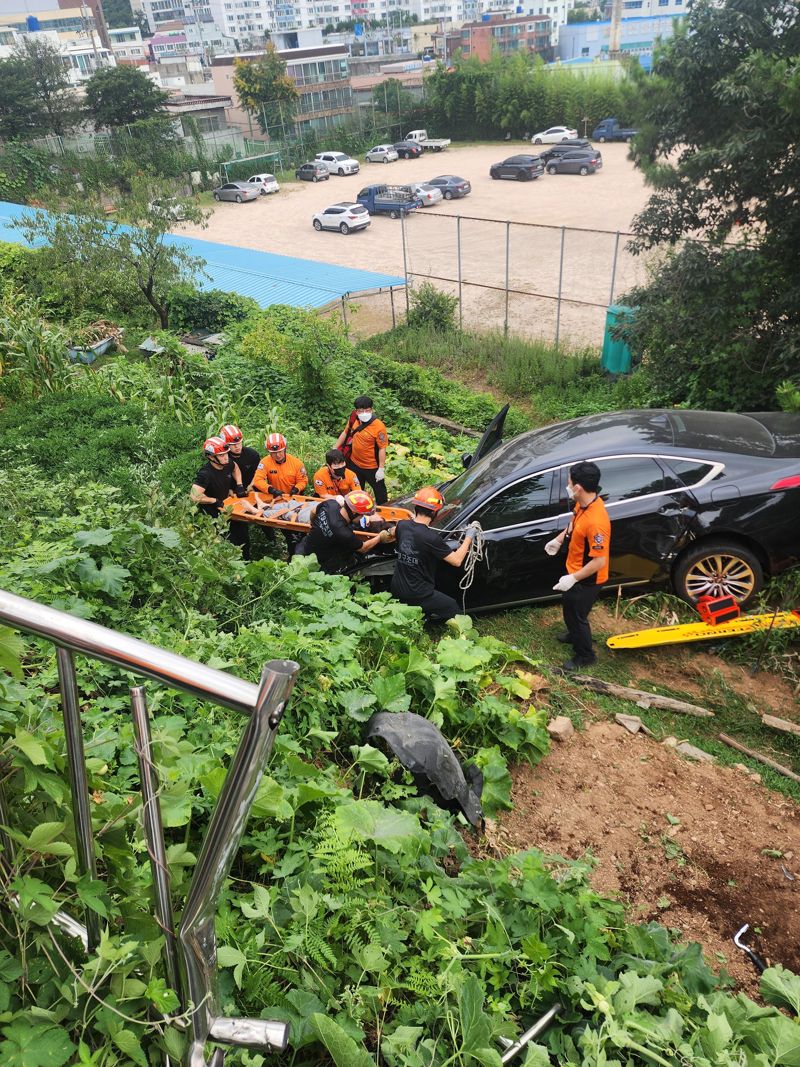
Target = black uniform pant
(436,605)
(239,534)
(367,477)
(576,604)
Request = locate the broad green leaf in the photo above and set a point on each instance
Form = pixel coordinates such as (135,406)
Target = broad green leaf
(127,1042)
(341,1047)
(228,956)
(176,804)
(33,1044)
(391,692)
(43,834)
(108,577)
(92,893)
(781,987)
(370,759)
(462,653)
(779,1039)
(496,780)
(164,998)
(636,990)
(371,958)
(486,1057)
(35,900)
(11,649)
(358,705)
(475,1027)
(28,744)
(84,538)
(169,538)
(716,1036)
(271,802)
(536,1056)
(261,906)
(367,820)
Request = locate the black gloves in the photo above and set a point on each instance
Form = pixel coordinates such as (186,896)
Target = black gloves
(241,491)
(274,492)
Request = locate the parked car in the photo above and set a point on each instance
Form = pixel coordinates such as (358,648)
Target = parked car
(171,206)
(267,183)
(429,144)
(610,130)
(555,150)
(238,191)
(408,149)
(705,502)
(343,217)
(382,153)
(452,186)
(553,135)
(579,161)
(338,163)
(522,168)
(426,193)
(391,200)
(312,172)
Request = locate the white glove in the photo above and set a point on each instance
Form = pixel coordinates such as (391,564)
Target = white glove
(474,529)
(339,500)
(552,547)
(565,582)
(380,474)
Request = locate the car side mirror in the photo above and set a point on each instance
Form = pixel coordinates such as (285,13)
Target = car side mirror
(466,458)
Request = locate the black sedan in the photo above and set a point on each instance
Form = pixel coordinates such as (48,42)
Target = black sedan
(452,187)
(580,161)
(704,502)
(555,151)
(518,168)
(408,149)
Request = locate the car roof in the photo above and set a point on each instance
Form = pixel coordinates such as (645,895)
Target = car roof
(663,430)
(523,157)
(447,178)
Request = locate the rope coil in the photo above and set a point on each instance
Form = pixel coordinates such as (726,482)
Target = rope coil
(478,552)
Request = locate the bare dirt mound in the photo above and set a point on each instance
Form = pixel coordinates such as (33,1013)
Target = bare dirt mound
(699,848)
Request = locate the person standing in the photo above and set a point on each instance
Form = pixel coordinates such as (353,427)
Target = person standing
(588,553)
(279,473)
(216,480)
(332,538)
(245,458)
(363,442)
(419,549)
(335,479)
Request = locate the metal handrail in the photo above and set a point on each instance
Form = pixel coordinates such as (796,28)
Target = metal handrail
(195,972)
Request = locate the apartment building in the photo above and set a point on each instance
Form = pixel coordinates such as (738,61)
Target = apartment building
(638,37)
(128,46)
(507,34)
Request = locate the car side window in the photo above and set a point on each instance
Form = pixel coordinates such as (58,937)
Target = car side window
(689,471)
(523,502)
(630,477)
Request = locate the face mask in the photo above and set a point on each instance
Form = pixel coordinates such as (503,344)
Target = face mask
(365,416)
(338,472)
(570,492)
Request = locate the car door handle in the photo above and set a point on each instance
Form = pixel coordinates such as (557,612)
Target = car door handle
(537,535)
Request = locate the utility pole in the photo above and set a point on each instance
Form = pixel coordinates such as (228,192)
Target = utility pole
(614,30)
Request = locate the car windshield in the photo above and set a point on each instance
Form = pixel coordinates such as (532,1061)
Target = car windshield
(339,155)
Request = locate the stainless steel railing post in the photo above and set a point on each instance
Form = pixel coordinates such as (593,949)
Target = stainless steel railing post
(197,935)
(78,783)
(154,835)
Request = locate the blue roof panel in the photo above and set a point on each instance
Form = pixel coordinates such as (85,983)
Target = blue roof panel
(266,277)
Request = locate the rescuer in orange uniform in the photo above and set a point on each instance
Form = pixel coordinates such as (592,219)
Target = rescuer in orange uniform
(589,534)
(335,479)
(363,442)
(279,473)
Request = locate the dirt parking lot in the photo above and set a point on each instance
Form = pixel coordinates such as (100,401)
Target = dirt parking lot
(592,209)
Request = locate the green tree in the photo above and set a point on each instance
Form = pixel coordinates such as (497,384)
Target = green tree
(125,263)
(717,138)
(391,98)
(583,13)
(118,96)
(52,92)
(264,88)
(21,114)
(118,13)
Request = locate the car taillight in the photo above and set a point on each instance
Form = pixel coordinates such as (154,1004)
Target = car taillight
(792,482)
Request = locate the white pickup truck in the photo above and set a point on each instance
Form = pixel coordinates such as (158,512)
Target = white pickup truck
(434,144)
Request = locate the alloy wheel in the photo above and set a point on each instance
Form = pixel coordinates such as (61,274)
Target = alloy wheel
(720,574)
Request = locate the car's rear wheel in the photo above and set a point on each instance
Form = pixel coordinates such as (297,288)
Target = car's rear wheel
(394,214)
(537,140)
(552,170)
(448,195)
(313,177)
(238,198)
(602,140)
(584,171)
(317,225)
(719,568)
(217,197)
(385,159)
(521,176)
(344,228)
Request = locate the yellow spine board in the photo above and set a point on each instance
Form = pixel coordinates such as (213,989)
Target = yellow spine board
(701,631)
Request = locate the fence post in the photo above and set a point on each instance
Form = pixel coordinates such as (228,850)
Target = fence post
(405,258)
(391,298)
(614,269)
(560,280)
(508,249)
(154,835)
(460,299)
(79,786)
(344,316)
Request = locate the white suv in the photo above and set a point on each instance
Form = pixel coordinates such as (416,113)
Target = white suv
(338,163)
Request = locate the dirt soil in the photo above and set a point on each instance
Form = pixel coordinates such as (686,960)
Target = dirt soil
(606,201)
(702,872)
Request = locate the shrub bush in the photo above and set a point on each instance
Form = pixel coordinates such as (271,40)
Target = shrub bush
(432,309)
(207,309)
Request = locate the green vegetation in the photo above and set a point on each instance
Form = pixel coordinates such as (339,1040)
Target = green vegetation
(517,95)
(116,96)
(719,323)
(263,85)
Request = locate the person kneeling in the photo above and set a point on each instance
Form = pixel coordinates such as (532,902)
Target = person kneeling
(332,538)
(419,549)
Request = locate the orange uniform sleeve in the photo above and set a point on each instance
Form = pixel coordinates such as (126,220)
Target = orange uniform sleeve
(300,476)
(598,536)
(260,483)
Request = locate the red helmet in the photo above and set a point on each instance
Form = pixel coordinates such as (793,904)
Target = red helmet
(275,442)
(429,498)
(359,502)
(230,433)
(215,446)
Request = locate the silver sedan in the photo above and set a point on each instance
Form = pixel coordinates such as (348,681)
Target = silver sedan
(237,191)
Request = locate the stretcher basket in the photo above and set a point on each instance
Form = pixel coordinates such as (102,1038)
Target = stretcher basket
(239,514)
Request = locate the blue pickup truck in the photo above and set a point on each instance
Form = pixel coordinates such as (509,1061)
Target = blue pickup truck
(610,130)
(391,200)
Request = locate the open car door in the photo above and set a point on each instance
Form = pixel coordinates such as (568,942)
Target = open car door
(491,438)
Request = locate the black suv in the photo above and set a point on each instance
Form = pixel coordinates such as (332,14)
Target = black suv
(552,151)
(703,501)
(523,168)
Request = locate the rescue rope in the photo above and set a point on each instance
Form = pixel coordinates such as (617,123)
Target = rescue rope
(478,552)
